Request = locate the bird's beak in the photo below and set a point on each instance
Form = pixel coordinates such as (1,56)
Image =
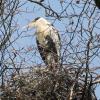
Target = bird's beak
(30,25)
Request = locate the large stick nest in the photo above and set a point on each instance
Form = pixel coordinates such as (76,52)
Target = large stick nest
(42,84)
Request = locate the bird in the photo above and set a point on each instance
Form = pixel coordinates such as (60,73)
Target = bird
(97,2)
(48,41)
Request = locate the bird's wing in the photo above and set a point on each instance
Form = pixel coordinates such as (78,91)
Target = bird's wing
(53,47)
(50,44)
(54,35)
(49,50)
(42,51)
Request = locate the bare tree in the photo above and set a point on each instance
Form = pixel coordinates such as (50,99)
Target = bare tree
(79,69)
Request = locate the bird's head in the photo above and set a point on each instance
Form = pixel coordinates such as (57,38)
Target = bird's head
(38,23)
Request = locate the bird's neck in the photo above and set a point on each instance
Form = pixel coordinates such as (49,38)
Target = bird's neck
(42,32)
(42,28)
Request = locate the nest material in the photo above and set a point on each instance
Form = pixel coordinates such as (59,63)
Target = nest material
(42,84)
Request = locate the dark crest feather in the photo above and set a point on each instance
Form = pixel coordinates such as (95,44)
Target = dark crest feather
(37,18)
